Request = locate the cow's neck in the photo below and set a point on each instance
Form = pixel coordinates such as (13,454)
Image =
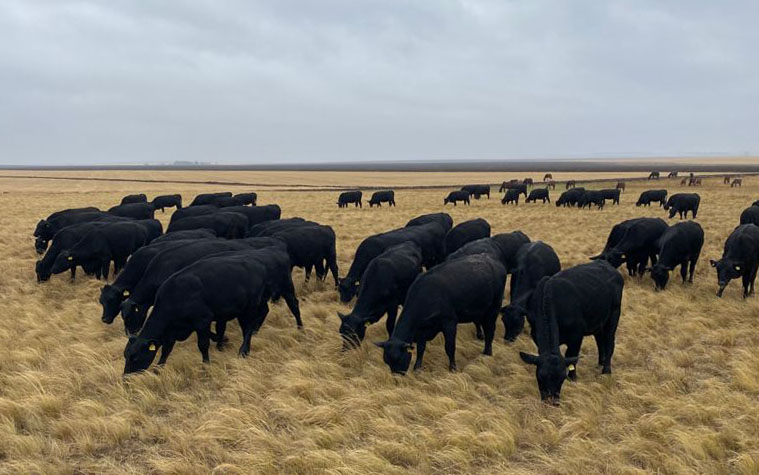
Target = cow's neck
(547,331)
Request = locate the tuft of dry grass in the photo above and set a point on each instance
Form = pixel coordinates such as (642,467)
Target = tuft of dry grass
(682,399)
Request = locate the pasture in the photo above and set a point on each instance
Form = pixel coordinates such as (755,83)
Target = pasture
(683,398)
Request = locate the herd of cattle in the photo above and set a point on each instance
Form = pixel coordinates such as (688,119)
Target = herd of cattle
(224,258)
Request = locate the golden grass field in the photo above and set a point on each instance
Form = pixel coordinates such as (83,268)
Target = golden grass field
(684,396)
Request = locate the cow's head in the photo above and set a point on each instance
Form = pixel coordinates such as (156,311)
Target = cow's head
(660,275)
(139,354)
(42,273)
(352,330)
(672,212)
(727,270)
(551,371)
(111,298)
(42,228)
(347,289)
(513,320)
(396,354)
(63,262)
(134,316)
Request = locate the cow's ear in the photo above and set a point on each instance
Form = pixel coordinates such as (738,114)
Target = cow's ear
(572,361)
(381,344)
(528,358)
(713,262)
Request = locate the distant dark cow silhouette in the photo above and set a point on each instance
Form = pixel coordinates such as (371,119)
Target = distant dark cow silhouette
(571,184)
(693,181)
(507,184)
(456,196)
(511,196)
(621,186)
(592,197)
(737,182)
(141,198)
(672,175)
(527,181)
(246,198)
(551,184)
(379,197)
(547,176)
(612,195)
(347,197)
(653,176)
(726,180)
(681,203)
(209,198)
(683,182)
(477,190)
(167,201)
(570,198)
(649,196)
(538,194)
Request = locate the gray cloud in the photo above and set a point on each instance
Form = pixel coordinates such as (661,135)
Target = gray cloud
(246,82)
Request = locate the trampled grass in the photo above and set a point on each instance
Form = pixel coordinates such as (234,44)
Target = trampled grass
(684,396)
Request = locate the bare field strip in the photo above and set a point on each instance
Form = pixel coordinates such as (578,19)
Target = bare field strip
(684,396)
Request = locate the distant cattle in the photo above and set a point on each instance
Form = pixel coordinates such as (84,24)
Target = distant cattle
(134,211)
(384,285)
(612,195)
(726,179)
(140,198)
(684,182)
(740,258)
(653,176)
(547,176)
(694,181)
(681,203)
(443,219)
(527,182)
(650,196)
(635,242)
(571,184)
(465,232)
(348,197)
(680,245)
(534,261)
(672,175)
(456,196)
(737,182)
(592,197)
(538,194)
(508,184)
(580,301)
(46,228)
(571,197)
(477,190)
(246,198)
(379,197)
(209,198)
(621,186)
(750,215)
(465,290)
(551,184)
(511,196)
(226,225)
(167,201)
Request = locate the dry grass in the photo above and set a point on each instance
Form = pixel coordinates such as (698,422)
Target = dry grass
(684,397)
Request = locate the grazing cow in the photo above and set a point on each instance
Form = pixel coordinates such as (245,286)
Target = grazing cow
(672,175)
(681,203)
(64,240)
(477,190)
(684,182)
(217,289)
(535,260)
(612,195)
(547,176)
(47,228)
(501,247)
(726,180)
(167,201)
(571,184)
(256,214)
(740,258)
(694,182)
(348,197)
(226,202)
(134,211)
(592,197)
(246,198)
(135,308)
(634,242)
(209,198)
(511,196)
(750,215)
(141,198)
(379,197)
(226,225)
(621,186)
(443,219)
(574,303)
(270,227)
(112,242)
(429,237)
(737,182)
(538,194)
(465,290)
(507,185)
(680,245)
(551,184)
(650,196)
(464,233)
(189,234)
(455,196)
(653,176)
(571,197)
(527,182)
(383,288)
(192,211)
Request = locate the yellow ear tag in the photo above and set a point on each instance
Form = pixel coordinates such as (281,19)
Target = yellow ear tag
(70,258)
(152,347)
(367,323)
(571,367)
(126,293)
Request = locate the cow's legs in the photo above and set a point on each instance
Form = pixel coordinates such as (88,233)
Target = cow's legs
(166,348)
(221,328)
(684,270)
(478,330)
(392,313)
(692,269)
(420,346)
(489,328)
(204,342)
(449,335)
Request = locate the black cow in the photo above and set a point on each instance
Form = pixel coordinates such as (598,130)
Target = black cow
(217,289)
(226,225)
(226,202)
(443,219)
(477,190)
(681,203)
(740,258)
(384,285)
(209,198)
(348,197)
(576,302)
(571,184)
(750,215)
(538,194)
(535,260)
(456,196)
(379,197)
(672,175)
(192,211)
(527,182)
(134,309)
(256,214)
(680,245)
(189,234)
(592,197)
(47,228)
(64,240)
(571,197)
(653,176)
(511,196)
(246,198)
(310,245)
(134,211)
(113,242)
(429,237)
(612,195)
(465,290)
(501,247)
(633,241)
(649,196)
(508,185)
(268,228)
(465,232)
(141,198)
(167,201)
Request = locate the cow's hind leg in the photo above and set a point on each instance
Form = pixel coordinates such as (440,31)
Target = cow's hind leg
(204,342)
(601,345)
(692,269)
(478,331)
(489,328)
(221,328)
(684,270)
(449,334)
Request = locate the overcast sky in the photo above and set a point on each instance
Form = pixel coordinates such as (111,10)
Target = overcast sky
(112,81)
